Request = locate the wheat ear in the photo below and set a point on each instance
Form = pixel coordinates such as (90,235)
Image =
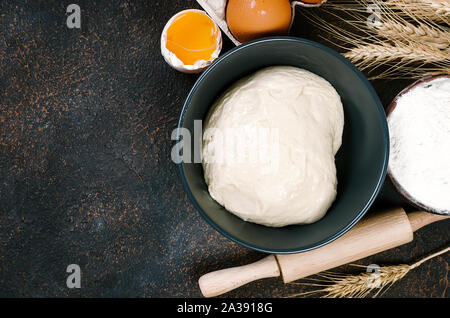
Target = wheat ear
(440,7)
(398,45)
(435,10)
(399,60)
(421,33)
(362,285)
(366,54)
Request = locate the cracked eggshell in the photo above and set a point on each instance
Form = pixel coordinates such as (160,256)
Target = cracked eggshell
(171,59)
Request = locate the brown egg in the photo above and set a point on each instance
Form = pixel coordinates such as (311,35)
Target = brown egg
(252,19)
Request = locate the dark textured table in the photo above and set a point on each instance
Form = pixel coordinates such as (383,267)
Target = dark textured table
(86,177)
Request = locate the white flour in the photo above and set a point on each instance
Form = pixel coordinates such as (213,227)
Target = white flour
(419,128)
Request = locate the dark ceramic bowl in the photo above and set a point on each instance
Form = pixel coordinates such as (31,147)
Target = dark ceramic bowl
(400,189)
(361,161)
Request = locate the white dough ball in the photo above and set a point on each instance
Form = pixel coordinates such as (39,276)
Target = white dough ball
(269,144)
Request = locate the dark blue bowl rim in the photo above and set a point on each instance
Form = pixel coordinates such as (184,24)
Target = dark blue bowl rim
(385,159)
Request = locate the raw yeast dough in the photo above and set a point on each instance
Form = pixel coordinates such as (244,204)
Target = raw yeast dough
(269,144)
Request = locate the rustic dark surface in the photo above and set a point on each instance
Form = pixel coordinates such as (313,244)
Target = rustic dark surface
(86,176)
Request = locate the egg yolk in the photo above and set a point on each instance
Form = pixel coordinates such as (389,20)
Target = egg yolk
(192,36)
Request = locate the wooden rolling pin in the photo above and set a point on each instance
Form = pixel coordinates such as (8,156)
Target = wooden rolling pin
(371,235)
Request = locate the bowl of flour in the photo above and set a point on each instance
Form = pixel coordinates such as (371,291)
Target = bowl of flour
(419,128)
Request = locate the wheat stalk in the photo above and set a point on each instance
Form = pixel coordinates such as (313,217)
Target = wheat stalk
(438,71)
(441,6)
(400,60)
(436,10)
(362,285)
(421,33)
(366,54)
(396,44)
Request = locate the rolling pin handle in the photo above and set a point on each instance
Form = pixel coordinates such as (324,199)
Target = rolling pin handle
(224,280)
(420,219)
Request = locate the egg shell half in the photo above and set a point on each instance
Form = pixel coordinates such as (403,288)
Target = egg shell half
(171,59)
